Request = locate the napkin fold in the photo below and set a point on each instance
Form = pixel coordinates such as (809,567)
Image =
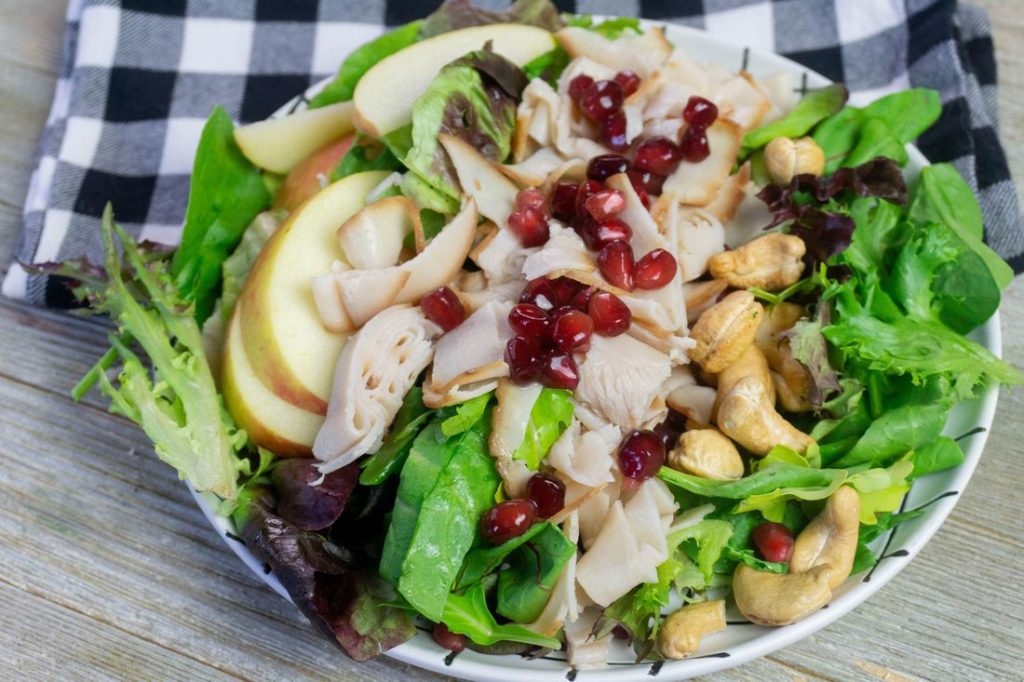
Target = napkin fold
(139,78)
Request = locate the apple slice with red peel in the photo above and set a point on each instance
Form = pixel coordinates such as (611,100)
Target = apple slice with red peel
(385,94)
(310,176)
(279,144)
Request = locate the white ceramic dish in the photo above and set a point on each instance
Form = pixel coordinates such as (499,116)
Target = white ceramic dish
(741,641)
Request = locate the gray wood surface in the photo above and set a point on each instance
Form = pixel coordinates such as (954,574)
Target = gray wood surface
(109,571)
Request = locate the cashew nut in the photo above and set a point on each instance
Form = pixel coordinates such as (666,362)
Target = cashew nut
(785,158)
(696,402)
(747,416)
(751,364)
(771,262)
(822,559)
(792,395)
(708,454)
(791,378)
(830,539)
(682,630)
(725,330)
(775,599)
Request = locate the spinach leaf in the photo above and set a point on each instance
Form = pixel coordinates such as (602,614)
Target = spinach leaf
(941,454)
(226,193)
(865,557)
(812,108)
(549,417)
(772,505)
(548,66)
(365,155)
(525,586)
(467,614)
(943,197)
(876,139)
(462,480)
(483,561)
(837,136)
(748,557)
(362,60)
(412,416)
(762,482)
(895,433)
(907,114)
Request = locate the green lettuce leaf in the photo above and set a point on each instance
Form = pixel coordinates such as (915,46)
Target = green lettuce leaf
(895,433)
(941,454)
(865,557)
(612,29)
(525,586)
(467,614)
(365,154)
(412,416)
(474,98)
(765,481)
(361,60)
(551,415)
(881,490)
(226,193)
(445,486)
(236,267)
(466,415)
(456,14)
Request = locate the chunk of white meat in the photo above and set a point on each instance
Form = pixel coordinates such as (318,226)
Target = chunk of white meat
(594,510)
(643,54)
(699,236)
(586,457)
(509,420)
(473,352)
(377,367)
(564,251)
(621,379)
(535,169)
(696,183)
(748,105)
(749,220)
(583,650)
(781,90)
(500,256)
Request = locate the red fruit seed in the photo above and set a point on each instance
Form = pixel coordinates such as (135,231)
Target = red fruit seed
(700,111)
(608,231)
(572,330)
(601,99)
(613,131)
(541,293)
(523,358)
(655,270)
(547,492)
(773,541)
(578,86)
(530,225)
(694,144)
(657,155)
(507,520)
(447,639)
(605,204)
(563,200)
(640,456)
(606,165)
(558,370)
(610,315)
(616,264)
(629,81)
(529,321)
(531,197)
(443,308)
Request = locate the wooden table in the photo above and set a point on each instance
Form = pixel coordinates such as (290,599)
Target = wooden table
(108,569)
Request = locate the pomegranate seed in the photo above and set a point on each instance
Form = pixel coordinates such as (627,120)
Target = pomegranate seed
(583,193)
(605,204)
(610,231)
(613,131)
(529,321)
(606,165)
(564,288)
(563,200)
(531,197)
(700,111)
(694,144)
(447,639)
(581,301)
(640,456)
(558,370)
(657,155)
(572,330)
(647,181)
(670,429)
(636,179)
(523,358)
(610,315)
(601,99)
(578,86)
(507,520)
(629,81)
(547,492)
(616,264)
(655,269)
(530,225)
(773,541)
(586,228)
(443,308)
(541,293)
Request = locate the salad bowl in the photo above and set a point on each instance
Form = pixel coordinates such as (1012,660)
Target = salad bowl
(935,494)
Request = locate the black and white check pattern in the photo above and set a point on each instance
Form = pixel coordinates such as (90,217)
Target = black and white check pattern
(140,77)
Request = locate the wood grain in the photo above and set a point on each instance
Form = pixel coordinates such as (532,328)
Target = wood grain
(109,571)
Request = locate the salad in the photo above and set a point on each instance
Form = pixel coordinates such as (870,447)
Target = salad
(534,332)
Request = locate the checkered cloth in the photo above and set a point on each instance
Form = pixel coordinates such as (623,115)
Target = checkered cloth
(141,76)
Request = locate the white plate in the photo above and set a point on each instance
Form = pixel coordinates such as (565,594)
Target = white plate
(740,642)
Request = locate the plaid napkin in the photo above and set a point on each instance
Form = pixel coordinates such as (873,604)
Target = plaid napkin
(141,76)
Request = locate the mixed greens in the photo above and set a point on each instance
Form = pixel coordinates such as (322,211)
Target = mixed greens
(895,274)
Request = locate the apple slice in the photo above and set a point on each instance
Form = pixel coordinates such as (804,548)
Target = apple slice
(289,348)
(309,177)
(495,195)
(385,94)
(373,237)
(271,422)
(279,144)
